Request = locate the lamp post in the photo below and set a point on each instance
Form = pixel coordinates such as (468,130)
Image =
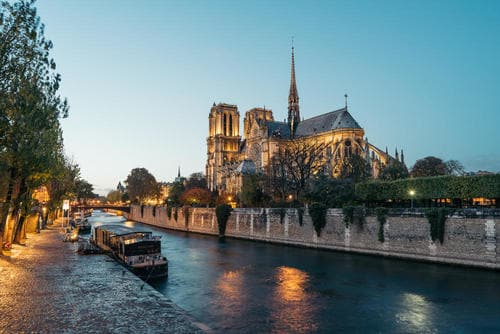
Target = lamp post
(412,194)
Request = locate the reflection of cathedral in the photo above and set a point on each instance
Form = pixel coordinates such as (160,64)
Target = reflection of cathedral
(229,156)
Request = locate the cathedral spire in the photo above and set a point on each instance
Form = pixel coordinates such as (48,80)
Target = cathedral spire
(293,98)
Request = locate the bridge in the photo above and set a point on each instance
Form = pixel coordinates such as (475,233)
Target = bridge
(85,207)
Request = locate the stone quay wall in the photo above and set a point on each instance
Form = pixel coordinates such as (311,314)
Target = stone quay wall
(471,242)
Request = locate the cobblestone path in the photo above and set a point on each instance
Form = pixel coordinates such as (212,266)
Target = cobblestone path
(45,287)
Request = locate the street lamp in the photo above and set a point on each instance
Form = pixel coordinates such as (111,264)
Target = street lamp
(412,194)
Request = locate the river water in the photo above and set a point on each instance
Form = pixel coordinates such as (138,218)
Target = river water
(241,286)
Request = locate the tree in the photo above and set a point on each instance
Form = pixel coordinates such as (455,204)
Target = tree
(196,180)
(175,192)
(394,170)
(196,196)
(252,193)
(334,193)
(141,185)
(84,190)
(455,167)
(296,162)
(30,107)
(429,166)
(114,196)
(356,168)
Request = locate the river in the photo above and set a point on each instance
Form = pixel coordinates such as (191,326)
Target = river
(241,286)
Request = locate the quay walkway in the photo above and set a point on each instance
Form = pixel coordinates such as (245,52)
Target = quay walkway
(46,287)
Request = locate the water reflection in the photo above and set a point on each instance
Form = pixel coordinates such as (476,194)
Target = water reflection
(231,297)
(415,313)
(292,310)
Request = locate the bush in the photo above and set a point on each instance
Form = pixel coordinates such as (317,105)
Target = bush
(487,186)
(222,211)
(282,214)
(318,216)
(382,219)
(185,212)
(300,212)
(437,219)
(354,214)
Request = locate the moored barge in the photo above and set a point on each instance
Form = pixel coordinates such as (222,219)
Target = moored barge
(138,251)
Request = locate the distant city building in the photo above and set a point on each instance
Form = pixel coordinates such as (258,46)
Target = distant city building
(230,155)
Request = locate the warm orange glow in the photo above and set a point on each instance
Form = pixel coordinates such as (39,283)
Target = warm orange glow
(292,307)
(291,283)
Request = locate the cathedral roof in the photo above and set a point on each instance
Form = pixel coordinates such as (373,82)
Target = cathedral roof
(278,130)
(338,119)
(246,167)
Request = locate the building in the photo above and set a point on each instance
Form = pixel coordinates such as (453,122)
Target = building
(231,155)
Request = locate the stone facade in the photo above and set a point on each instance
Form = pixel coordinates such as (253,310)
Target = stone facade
(472,242)
(337,133)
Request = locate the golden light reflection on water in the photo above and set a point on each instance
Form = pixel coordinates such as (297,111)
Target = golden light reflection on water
(230,286)
(292,303)
(291,283)
(415,312)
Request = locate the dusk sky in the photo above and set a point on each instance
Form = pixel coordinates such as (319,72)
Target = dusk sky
(141,76)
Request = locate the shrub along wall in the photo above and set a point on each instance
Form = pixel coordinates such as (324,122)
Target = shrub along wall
(463,187)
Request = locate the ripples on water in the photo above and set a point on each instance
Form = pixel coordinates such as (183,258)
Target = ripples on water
(248,287)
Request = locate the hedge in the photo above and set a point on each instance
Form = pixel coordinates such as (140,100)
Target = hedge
(487,186)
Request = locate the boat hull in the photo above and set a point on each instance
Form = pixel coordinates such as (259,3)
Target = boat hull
(150,272)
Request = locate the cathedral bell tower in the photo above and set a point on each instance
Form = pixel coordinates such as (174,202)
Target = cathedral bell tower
(223,141)
(293,100)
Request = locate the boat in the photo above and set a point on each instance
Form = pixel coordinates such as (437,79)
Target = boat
(83,227)
(137,250)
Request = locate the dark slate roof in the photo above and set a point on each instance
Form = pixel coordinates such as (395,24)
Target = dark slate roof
(278,130)
(246,167)
(121,229)
(338,119)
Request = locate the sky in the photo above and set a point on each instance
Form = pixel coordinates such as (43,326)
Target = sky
(141,76)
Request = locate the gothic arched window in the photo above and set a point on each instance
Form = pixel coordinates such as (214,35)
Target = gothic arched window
(230,125)
(224,125)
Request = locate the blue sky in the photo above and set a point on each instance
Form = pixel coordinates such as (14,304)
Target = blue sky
(141,76)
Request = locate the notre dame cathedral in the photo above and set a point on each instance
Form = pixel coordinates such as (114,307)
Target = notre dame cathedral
(230,154)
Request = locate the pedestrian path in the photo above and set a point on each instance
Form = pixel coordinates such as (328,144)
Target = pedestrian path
(46,287)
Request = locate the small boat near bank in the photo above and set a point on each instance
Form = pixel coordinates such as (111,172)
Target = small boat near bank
(83,227)
(138,251)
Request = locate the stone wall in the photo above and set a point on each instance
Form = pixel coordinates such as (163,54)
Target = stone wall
(473,242)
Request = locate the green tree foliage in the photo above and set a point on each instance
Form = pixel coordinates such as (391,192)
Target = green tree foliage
(437,219)
(196,180)
(84,190)
(463,187)
(394,170)
(317,211)
(334,193)
(30,107)
(429,166)
(382,219)
(252,193)
(175,193)
(355,168)
(114,196)
(222,211)
(142,185)
(196,196)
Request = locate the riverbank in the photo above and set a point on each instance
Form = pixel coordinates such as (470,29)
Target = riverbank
(466,242)
(47,288)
